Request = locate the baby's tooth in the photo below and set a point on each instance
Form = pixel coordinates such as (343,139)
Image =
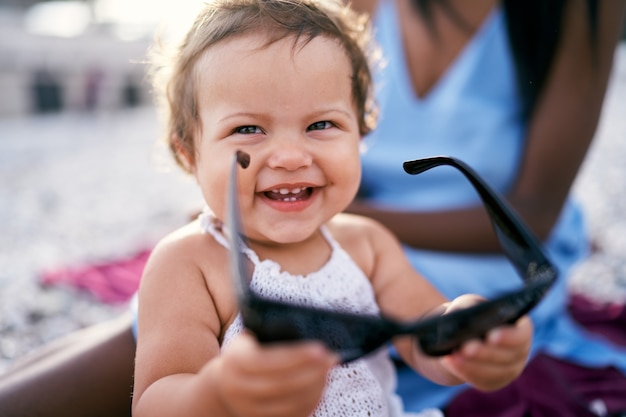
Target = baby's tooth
(284,191)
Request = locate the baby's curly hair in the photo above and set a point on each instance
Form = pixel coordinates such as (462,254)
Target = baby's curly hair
(175,80)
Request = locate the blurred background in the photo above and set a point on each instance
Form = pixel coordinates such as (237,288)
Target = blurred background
(84,179)
(79,55)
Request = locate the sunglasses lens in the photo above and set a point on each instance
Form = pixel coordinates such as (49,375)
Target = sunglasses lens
(349,335)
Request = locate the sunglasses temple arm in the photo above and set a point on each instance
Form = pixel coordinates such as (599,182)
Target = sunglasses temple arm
(239,269)
(516,240)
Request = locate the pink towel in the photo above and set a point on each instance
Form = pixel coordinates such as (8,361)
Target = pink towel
(110,282)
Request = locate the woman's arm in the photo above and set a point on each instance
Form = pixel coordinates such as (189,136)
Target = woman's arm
(559,134)
(566,116)
(88,372)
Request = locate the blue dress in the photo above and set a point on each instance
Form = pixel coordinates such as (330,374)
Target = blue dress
(472,113)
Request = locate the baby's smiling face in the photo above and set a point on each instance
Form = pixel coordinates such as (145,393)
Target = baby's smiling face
(291,108)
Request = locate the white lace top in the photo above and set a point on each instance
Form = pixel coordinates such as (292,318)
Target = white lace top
(364,387)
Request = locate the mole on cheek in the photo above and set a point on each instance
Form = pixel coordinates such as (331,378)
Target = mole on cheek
(243,159)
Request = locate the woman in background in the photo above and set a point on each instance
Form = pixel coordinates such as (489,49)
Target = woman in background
(514,89)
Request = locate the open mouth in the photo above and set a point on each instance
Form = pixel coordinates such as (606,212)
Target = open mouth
(289,194)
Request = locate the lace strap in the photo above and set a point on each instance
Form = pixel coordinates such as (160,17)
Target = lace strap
(249,253)
(329,238)
(215,227)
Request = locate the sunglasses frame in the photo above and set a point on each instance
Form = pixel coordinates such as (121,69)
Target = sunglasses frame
(354,335)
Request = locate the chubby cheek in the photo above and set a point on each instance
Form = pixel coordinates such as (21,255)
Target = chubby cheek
(217,203)
(348,174)
(214,189)
(356,182)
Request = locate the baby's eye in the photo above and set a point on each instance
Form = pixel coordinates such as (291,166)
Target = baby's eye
(325,124)
(247,130)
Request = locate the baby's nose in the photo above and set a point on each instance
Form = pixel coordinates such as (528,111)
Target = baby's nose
(290,155)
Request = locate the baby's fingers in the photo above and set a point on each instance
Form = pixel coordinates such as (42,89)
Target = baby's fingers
(273,380)
(512,338)
(494,362)
(503,344)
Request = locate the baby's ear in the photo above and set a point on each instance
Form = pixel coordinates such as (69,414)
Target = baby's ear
(184,153)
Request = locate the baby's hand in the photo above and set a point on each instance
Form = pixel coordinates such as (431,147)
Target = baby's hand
(273,380)
(494,362)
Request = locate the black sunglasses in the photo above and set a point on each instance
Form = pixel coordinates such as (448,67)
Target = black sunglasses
(353,335)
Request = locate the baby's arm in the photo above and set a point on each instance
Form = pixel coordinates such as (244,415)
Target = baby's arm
(179,367)
(406,295)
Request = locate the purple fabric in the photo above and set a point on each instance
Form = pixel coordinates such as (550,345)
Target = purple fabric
(547,388)
(603,318)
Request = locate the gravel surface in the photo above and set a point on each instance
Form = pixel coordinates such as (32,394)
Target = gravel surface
(77,189)
(80,188)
